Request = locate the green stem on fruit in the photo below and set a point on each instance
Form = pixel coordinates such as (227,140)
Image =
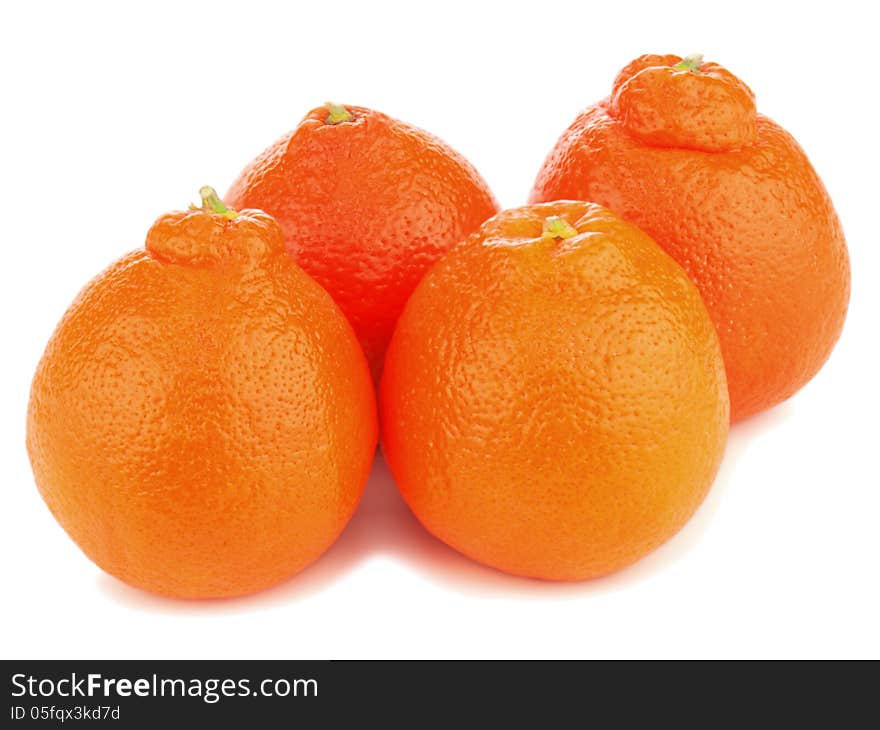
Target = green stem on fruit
(692,63)
(337,113)
(211,202)
(556,227)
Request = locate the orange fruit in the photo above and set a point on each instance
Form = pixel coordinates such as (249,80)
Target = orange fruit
(679,150)
(367,204)
(203,421)
(553,402)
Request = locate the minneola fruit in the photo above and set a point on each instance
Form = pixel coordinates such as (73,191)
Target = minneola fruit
(367,204)
(203,421)
(553,402)
(679,150)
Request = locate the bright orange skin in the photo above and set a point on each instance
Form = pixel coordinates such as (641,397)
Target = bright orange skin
(554,408)
(732,197)
(203,421)
(366,207)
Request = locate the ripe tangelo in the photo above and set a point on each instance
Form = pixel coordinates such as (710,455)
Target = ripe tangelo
(679,150)
(203,420)
(554,402)
(367,204)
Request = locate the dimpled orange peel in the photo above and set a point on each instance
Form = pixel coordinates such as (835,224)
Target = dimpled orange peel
(554,402)
(679,149)
(367,203)
(203,421)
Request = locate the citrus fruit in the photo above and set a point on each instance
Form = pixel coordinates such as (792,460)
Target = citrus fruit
(367,204)
(679,150)
(203,421)
(553,402)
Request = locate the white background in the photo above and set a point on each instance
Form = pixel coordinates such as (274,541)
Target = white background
(115,113)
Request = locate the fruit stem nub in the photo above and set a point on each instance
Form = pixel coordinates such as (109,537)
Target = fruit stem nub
(337,113)
(211,202)
(691,63)
(557,227)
